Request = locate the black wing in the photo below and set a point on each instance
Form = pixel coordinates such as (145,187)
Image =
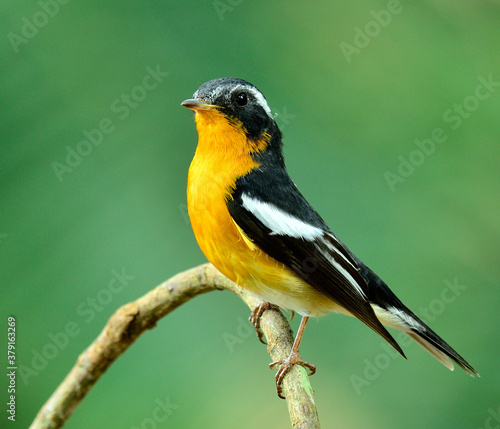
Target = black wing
(278,219)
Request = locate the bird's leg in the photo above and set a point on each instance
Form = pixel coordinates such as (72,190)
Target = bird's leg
(256,316)
(293,359)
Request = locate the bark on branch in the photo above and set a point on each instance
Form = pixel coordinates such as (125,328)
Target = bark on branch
(134,318)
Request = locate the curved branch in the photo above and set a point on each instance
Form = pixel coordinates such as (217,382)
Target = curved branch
(134,318)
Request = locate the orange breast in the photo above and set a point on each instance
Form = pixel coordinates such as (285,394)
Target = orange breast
(222,156)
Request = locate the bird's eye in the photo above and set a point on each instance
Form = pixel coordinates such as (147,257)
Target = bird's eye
(241,99)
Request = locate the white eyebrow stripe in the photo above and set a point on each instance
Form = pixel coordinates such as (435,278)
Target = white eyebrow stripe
(259,97)
(280,222)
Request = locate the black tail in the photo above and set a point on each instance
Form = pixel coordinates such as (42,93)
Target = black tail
(436,346)
(391,310)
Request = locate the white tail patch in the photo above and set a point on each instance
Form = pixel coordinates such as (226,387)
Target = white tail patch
(398,319)
(433,350)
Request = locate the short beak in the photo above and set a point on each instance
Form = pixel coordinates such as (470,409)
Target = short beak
(194,104)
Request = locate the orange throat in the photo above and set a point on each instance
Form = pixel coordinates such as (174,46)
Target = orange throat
(223,155)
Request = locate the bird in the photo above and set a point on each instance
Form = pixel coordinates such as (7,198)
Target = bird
(254,225)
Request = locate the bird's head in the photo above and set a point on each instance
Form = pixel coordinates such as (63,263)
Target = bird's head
(233,102)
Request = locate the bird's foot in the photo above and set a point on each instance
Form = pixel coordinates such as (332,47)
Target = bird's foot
(256,316)
(285,366)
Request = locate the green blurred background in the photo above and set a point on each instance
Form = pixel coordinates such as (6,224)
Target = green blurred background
(347,113)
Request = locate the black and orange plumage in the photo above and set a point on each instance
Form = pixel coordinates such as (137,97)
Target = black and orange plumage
(257,229)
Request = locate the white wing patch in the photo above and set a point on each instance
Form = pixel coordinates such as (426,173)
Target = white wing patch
(282,223)
(278,221)
(334,249)
(341,269)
